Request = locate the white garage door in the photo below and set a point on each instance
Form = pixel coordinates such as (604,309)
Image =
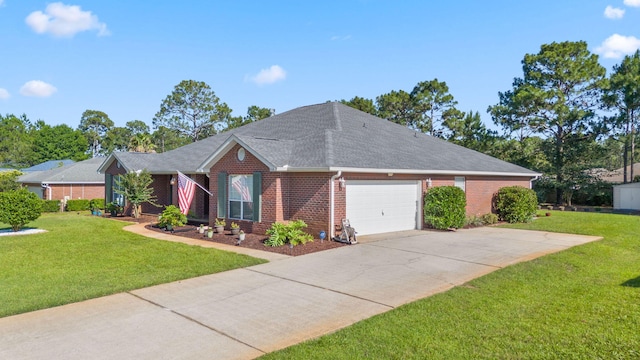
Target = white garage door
(375,207)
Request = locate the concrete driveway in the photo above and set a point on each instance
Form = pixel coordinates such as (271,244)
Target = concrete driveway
(244,313)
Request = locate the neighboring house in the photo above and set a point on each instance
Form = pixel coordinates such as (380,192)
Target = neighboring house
(617,176)
(48,165)
(79,180)
(321,163)
(626,196)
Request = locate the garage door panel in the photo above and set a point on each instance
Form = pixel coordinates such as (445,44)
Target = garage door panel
(382,206)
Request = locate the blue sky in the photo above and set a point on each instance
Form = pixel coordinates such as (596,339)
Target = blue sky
(124,57)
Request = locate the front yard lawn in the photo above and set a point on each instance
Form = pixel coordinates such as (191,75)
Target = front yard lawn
(83,257)
(583,303)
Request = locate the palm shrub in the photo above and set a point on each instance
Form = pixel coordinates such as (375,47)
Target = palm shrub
(515,204)
(444,207)
(136,187)
(19,207)
(292,233)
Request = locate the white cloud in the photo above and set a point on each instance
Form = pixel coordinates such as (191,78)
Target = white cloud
(613,13)
(617,46)
(37,88)
(632,3)
(269,76)
(337,37)
(64,21)
(4,94)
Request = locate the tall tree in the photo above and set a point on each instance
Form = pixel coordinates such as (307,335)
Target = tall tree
(254,113)
(94,125)
(116,139)
(470,132)
(16,141)
(58,142)
(623,95)
(362,104)
(137,127)
(193,110)
(433,105)
(557,97)
(166,139)
(397,107)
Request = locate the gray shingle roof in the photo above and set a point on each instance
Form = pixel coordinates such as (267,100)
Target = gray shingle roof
(48,165)
(330,136)
(83,172)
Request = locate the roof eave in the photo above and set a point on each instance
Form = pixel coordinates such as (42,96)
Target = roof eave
(287,168)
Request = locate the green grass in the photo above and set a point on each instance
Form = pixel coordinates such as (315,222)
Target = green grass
(582,303)
(83,257)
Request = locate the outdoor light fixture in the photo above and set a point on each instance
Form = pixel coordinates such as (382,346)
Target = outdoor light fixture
(342,183)
(172,181)
(429,182)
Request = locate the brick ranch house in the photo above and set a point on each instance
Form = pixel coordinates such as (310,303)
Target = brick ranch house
(79,180)
(321,163)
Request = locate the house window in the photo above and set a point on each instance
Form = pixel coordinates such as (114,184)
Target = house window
(117,198)
(459,181)
(241,197)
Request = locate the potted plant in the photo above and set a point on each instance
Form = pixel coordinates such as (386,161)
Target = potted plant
(210,232)
(114,208)
(220,224)
(201,229)
(235,229)
(171,217)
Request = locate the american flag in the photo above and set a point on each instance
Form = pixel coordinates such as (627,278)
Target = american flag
(186,189)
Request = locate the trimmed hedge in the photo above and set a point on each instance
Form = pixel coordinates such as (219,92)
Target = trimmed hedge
(444,207)
(77,205)
(50,205)
(515,204)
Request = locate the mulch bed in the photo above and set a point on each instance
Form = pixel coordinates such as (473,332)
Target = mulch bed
(251,241)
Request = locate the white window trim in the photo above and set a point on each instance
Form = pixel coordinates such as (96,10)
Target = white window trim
(229,200)
(461,182)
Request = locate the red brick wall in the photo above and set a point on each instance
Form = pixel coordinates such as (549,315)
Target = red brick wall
(74,191)
(162,190)
(480,191)
(309,200)
(232,166)
(306,196)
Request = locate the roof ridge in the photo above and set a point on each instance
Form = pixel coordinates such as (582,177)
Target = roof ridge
(336,116)
(328,146)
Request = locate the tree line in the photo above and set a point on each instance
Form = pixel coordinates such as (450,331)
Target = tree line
(191,112)
(562,117)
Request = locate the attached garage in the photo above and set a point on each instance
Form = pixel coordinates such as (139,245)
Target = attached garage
(382,206)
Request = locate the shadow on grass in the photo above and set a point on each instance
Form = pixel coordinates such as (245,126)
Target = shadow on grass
(632,282)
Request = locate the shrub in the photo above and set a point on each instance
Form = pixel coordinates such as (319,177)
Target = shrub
(97,204)
(515,204)
(473,221)
(444,207)
(9,180)
(489,219)
(50,205)
(77,205)
(172,216)
(292,233)
(19,207)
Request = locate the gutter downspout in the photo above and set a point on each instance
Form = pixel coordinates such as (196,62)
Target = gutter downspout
(332,230)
